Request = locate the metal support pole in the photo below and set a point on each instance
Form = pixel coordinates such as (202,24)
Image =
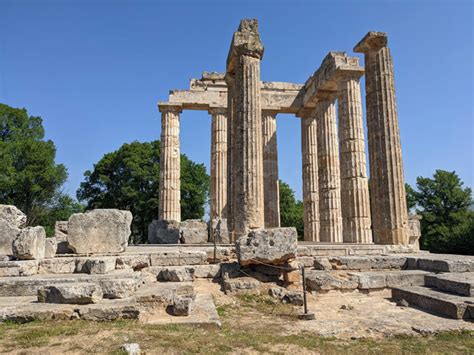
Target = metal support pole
(306,315)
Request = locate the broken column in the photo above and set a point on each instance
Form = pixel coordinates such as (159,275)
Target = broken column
(244,60)
(354,182)
(387,185)
(309,154)
(328,167)
(218,163)
(169,199)
(270,170)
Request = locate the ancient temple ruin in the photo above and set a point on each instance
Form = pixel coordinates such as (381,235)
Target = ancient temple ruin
(338,206)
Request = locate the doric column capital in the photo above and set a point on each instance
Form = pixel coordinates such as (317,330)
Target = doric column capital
(170,107)
(326,95)
(246,41)
(372,42)
(306,112)
(349,74)
(217,111)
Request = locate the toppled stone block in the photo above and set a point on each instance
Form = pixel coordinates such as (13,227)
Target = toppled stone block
(292,274)
(99,231)
(286,296)
(163,232)
(30,244)
(270,246)
(60,230)
(12,216)
(95,265)
(241,285)
(118,288)
(218,229)
(18,268)
(176,274)
(70,293)
(193,231)
(324,281)
(207,271)
(50,248)
(8,233)
(182,306)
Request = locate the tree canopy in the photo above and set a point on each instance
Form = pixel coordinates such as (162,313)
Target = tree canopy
(128,178)
(447,224)
(291,210)
(29,176)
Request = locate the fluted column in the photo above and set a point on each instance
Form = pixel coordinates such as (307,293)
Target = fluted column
(244,60)
(309,154)
(170,183)
(328,166)
(270,170)
(387,185)
(230,81)
(355,200)
(218,191)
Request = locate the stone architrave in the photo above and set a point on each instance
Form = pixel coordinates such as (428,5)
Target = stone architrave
(218,189)
(309,154)
(328,167)
(270,170)
(355,200)
(387,185)
(170,181)
(244,60)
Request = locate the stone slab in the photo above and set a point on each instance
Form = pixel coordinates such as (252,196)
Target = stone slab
(447,305)
(458,283)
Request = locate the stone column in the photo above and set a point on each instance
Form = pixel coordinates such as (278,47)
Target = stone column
(230,81)
(270,170)
(328,166)
(244,60)
(387,185)
(309,154)
(354,183)
(218,189)
(170,184)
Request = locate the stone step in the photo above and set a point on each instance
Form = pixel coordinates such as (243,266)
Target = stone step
(441,262)
(457,283)
(382,279)
(324,281)
(29,285)
(435,301)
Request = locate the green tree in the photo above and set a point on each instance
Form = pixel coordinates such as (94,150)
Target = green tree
(448,223)
(291,210)
(128,179)
(29,176)
(60,208)
(411,197)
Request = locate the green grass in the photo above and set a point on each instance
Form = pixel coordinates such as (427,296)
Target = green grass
(263,334)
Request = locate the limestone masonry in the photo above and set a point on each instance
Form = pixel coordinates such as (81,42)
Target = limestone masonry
(244,161)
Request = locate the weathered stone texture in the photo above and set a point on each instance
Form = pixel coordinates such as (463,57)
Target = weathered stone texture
(99,231)
(309,152)
(73,293)
(218,188)
(328,167)
(170,184)
(51,245)
(163,232)
(218,228)
(193,231)
(270,170)
(11,220)
(355,200)
(270,246)
(230,81)
(388,202)
(13,216)
(244,60)
(30,244)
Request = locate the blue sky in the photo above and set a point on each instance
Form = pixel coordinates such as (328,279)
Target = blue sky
(94,70)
